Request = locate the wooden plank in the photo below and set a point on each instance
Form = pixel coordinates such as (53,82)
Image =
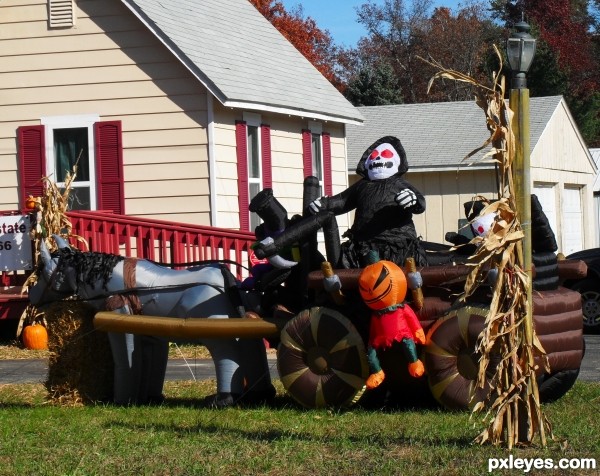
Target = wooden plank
(8,148)
(163,172)
(29,23)
(191,327)
(156,155)
(23,11)
(90,43)
(183,188)
(165,138)
(171,120)
(106,108)
(167,205)
(100,74)
(125,90)
(140,56)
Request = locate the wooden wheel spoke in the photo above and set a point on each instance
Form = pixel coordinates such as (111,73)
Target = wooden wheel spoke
(289,379)
(439,388)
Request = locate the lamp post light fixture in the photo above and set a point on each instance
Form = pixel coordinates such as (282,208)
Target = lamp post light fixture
(520,50)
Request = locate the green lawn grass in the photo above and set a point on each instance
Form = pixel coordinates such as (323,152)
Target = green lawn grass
(182,437)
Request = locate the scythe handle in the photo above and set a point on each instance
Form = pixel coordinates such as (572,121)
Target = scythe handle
(327,270)
(417,293)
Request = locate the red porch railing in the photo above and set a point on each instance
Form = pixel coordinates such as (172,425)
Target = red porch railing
(162,241)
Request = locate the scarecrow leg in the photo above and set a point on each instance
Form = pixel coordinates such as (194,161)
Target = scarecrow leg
(415,366)
(377,375)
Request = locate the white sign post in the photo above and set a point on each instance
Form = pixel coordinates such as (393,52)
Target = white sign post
(15,243)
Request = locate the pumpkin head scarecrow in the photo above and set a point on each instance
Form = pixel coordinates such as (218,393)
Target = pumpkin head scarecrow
(382,286)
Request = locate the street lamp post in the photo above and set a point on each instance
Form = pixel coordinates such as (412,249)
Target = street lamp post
(520,49)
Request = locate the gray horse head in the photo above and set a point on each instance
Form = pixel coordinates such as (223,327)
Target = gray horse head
(52,285)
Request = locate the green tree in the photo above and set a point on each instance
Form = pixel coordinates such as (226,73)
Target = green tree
(374,85)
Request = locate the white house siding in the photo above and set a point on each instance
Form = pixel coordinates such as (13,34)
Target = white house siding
(446,193)
(286,162)
(110,65)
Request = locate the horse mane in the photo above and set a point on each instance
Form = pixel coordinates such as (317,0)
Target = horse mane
(89,266)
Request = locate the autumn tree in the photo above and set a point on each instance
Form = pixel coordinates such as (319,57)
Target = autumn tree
(461,41)
(395,35)
(315,44)
(400,33)
(567,60)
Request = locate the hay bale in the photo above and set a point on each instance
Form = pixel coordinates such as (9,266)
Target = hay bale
(80,366)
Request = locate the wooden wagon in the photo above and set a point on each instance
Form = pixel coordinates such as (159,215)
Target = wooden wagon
(321,352)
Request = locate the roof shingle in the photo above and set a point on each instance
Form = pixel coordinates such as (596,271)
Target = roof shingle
(242,59)
(436,135)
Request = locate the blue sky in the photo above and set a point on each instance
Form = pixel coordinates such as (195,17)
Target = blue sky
(339,16)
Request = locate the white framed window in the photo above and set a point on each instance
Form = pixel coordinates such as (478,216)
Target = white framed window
(69,141)
(255,172)
(316,130)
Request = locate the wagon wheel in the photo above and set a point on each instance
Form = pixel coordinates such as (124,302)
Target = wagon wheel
(450,359)
(322,360)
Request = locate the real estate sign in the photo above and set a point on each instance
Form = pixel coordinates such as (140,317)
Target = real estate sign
(15,243)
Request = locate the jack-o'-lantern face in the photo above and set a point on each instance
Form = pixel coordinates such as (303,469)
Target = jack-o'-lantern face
(383,162)
(382,284)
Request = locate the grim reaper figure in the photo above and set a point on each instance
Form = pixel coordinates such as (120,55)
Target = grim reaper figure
(384,202)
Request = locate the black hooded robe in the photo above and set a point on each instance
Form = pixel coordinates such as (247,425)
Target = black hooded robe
(379,223)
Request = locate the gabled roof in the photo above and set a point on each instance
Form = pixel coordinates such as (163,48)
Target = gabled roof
(437,136)
(242,59)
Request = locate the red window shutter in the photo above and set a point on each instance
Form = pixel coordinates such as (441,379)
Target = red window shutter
(32,161)
(109,166)
(327,172)
(267,176)
(307,152)
(242,170)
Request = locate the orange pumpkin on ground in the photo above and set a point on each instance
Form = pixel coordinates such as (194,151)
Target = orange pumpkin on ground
(35,337)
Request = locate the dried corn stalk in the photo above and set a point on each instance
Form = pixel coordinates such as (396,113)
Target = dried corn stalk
(50,219)
(512,411)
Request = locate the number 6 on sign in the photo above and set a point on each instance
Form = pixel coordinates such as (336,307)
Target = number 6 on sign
(15,244)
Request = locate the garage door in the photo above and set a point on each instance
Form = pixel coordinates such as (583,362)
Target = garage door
(572,220)
(546,194)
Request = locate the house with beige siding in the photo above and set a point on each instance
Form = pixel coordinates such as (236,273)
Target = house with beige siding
(437,138)
(174,109)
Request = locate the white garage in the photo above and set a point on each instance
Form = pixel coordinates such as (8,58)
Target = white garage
(437,137)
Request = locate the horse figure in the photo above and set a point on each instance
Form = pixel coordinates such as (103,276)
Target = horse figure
(136,286)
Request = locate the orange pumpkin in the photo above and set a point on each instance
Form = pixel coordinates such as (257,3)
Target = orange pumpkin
(35,337)
(382,284)
(30,203)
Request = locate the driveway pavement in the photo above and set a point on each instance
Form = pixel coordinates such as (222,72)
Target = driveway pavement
(32,371)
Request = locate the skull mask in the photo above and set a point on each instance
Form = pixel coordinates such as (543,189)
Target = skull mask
(383,162)
(383,159)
